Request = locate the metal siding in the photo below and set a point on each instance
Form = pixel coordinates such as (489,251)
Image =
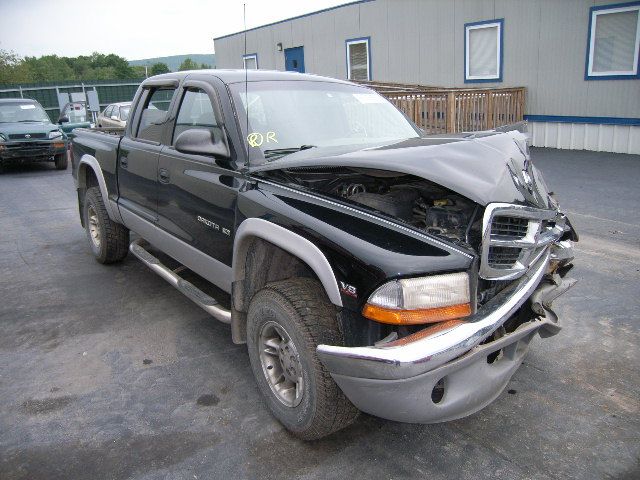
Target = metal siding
(564,135)
(467,11)
(521,34)
(580,136)
(281,33)
(266,48)
(607,134)
(620,138)
(404,28)
(422,41)
(634,140)
(551,135)
(347,26)
(302,36)
(323,55)
(591,135)
(437,34)
(374,23)
(577,132)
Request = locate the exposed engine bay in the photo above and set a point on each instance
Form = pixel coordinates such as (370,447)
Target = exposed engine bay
(416,201)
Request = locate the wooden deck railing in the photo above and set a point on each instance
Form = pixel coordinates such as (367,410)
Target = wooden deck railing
(450,110)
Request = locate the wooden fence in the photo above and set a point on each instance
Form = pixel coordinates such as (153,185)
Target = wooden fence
(450,110)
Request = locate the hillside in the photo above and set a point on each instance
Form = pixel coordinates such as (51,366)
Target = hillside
(174,61)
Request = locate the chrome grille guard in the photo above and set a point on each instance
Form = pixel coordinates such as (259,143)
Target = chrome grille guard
(545,227)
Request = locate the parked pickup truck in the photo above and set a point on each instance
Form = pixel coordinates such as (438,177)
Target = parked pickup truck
(27,135)
(367,266)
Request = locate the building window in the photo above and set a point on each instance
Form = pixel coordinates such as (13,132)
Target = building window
(250,61)
(614,42)
(483,51)
(359,59)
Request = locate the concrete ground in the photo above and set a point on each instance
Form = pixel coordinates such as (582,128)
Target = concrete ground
(107,372)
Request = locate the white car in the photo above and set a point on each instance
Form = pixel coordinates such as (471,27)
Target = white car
(115,115)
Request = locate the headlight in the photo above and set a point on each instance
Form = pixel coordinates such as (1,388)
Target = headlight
(55,134)
(414,301)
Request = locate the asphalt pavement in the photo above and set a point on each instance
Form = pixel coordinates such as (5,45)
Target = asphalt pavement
(107,372)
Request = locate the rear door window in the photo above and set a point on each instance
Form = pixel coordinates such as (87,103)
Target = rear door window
(154,114)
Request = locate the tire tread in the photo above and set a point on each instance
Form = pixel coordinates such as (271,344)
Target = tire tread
(318,325)
(116,238)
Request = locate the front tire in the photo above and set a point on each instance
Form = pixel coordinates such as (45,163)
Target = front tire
(109,241)
(286,321)
(61,161)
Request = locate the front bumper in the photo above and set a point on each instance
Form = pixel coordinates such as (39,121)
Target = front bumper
(396,382)
(32,150)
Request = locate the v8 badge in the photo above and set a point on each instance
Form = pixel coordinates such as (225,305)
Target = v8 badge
(348,289)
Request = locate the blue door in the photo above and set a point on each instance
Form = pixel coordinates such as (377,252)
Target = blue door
(294,59)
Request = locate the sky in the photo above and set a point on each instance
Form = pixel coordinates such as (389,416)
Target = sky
(135,29)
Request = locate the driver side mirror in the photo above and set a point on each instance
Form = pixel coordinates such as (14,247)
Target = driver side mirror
(201,142)
(63,119)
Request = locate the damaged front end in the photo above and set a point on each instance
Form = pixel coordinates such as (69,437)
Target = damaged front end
(453,369)
(502,214)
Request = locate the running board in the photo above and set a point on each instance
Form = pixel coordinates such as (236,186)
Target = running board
(204,301)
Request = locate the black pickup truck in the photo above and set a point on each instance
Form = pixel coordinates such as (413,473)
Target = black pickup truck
(366,265)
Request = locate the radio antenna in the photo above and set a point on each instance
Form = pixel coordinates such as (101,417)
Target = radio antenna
(246,75)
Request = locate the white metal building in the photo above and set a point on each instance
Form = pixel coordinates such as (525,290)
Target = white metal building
(577,58)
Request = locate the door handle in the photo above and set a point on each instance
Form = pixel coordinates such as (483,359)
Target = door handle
(124,162)
(163,175)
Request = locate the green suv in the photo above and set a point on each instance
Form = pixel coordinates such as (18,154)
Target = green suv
(27,135)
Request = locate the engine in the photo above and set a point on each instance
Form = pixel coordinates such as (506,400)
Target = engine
(423,204)
(435,211)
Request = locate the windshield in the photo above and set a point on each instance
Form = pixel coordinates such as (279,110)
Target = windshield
(22,112)
(124,113)
(287,116)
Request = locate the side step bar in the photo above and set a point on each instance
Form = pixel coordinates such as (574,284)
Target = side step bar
(204,301)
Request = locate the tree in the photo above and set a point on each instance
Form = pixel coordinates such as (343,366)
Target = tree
(189,64)
(51,68)
(204,66)
(13,69)
(140,71)
(158,68)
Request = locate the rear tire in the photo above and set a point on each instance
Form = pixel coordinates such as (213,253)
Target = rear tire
(61,161)
(286,321)
(109,241)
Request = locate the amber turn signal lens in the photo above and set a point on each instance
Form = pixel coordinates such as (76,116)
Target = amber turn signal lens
(415,317)
(58,144)
(426,332)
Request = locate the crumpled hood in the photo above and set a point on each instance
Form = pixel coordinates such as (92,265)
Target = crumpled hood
(486,167)
(27,127)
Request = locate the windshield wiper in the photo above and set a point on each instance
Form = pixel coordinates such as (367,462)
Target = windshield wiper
(281,152)
(22,121)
